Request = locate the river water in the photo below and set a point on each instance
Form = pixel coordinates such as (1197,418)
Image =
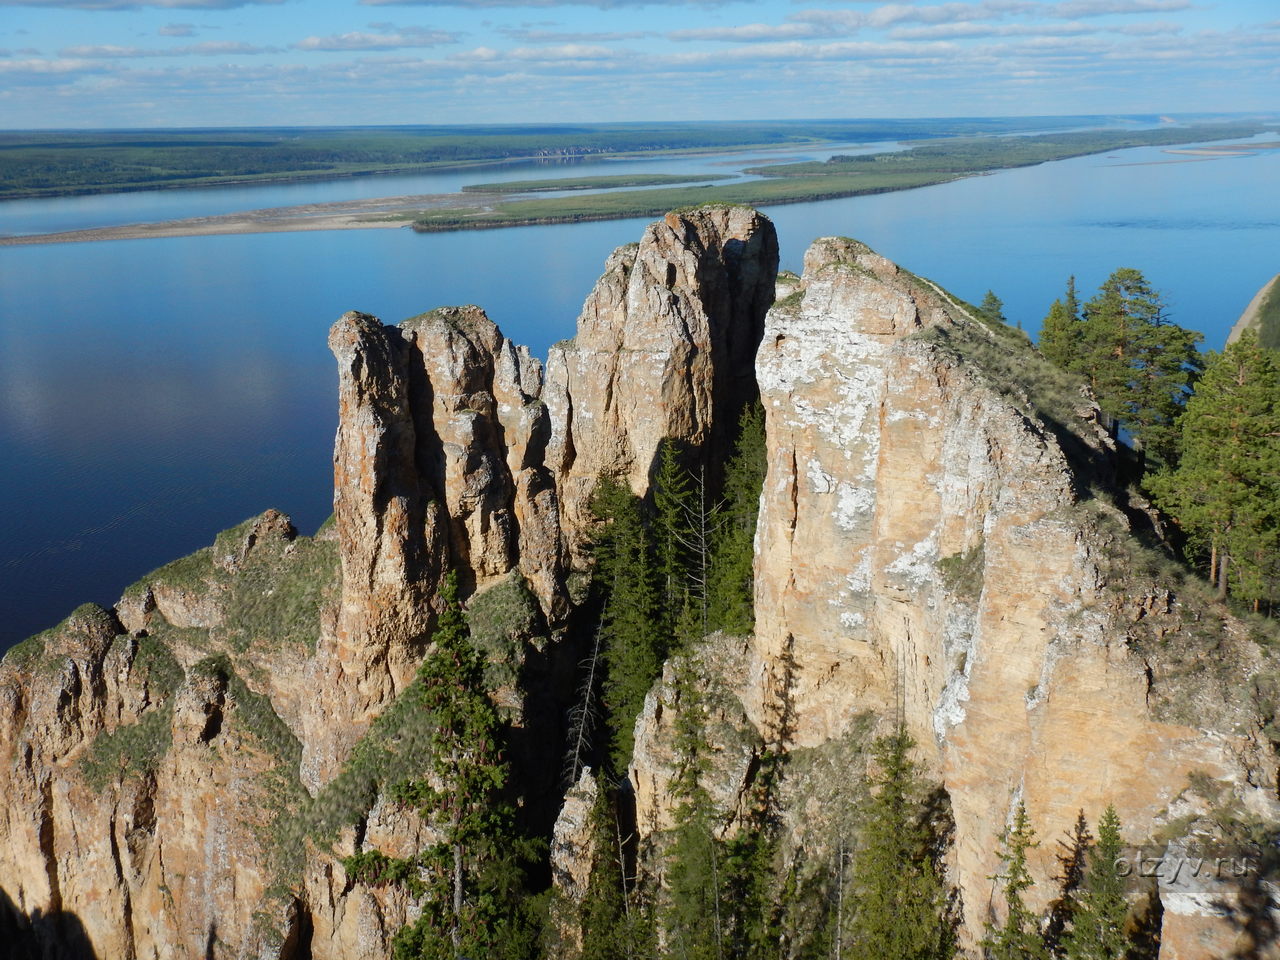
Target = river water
(154,392)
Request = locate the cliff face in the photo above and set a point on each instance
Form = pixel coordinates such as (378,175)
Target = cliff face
(179,774)
(184,762)
(926,540)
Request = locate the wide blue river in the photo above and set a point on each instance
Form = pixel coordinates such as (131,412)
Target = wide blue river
(154,392)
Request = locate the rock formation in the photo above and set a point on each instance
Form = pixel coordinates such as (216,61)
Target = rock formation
(939,540)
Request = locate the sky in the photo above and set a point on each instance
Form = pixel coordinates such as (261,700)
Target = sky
(164,63)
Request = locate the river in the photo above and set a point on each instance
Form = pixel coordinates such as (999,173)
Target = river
(154,392)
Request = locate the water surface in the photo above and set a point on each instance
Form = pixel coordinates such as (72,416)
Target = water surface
(154,392)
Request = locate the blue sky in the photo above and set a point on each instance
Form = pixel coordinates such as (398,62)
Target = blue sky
(111,63)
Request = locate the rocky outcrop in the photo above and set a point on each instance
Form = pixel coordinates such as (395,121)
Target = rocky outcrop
(937,541)
(663,350)
(925,550)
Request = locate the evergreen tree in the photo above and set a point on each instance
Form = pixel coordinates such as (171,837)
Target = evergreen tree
(1018,938)
(731,590)
(694,913)
(674,502)
(1072,300)
(901,906)
(1139,364)
(1098,926)
(471,879)
(1225,491)
(992,307)
(1059,336)
(1061,332)
(634,637)
(612,922)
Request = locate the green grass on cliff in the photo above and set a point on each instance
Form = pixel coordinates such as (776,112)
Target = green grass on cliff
(133,750)
(278,597)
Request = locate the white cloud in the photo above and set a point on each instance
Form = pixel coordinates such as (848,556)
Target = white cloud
(135,4)
(108,51)
(551,54)
(753,32)
(408,38)
(553,36)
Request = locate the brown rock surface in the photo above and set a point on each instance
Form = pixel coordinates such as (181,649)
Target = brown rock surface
(663,349)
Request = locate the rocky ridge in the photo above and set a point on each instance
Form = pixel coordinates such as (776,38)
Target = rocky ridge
(937,540)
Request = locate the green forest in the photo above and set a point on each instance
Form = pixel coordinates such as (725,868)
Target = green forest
(1205,428)
(53,163)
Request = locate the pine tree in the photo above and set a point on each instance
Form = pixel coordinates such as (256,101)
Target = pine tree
(992,308)
(471,879)
(901,907)
(731,592)
(1018,938)
(1139,364)
(1098,927)
(1225,491)
(1059,336)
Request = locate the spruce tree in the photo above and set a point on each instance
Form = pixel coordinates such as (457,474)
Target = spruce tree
(634,636)
(1018,938)
(731,591)
(471,880)
(694,911)
(1098,924)
(901,906)
(674,502)
(1061,332)
(1059,336)
(1225,491)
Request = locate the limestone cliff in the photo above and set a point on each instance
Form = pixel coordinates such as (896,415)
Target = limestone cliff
(939,538)
(928,546)
(185,761)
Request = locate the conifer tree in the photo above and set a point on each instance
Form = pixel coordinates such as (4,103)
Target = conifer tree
(901,907)
(1018,938)
(1139,364)
(992,308)
(1061,331)
(731,594)
(674,500)
(633,633)
(1098,924)
(694,913)
(1225,491)
(471,880)
(612,921)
